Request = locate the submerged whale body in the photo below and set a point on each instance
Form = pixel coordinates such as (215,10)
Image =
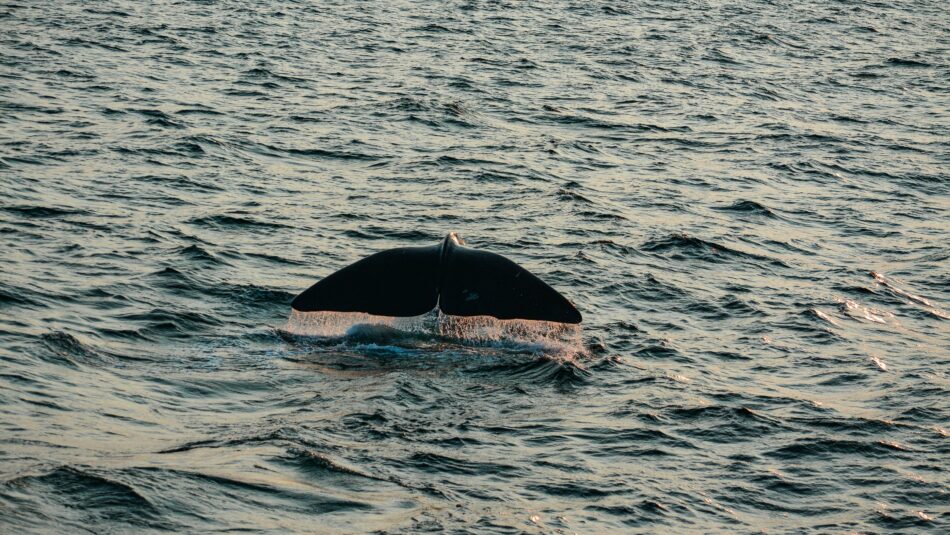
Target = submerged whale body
(460,281)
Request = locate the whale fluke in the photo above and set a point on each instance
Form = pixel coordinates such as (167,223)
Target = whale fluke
(461,281)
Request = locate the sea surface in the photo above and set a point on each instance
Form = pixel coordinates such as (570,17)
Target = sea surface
(748,201)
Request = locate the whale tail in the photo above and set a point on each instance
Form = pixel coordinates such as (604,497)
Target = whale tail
(461,281)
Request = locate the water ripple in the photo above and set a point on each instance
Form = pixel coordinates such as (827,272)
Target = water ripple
(747,201)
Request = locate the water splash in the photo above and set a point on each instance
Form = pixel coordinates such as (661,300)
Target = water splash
(489,330)
(326,324)
(537,336)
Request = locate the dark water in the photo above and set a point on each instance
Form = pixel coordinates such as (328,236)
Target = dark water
(749,202)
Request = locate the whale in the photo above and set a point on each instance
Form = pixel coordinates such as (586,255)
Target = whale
(451,277)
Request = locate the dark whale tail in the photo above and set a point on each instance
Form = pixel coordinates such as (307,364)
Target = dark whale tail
(411,281)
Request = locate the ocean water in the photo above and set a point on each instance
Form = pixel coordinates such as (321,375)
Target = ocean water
(748,201)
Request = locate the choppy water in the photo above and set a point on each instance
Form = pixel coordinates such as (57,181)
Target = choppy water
(749,202)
